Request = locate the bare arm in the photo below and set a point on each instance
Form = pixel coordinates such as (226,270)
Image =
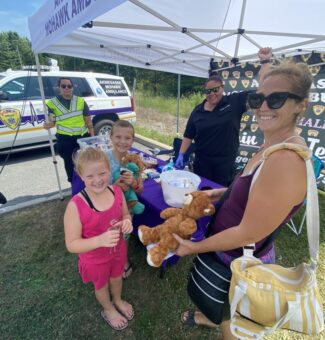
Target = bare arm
(215,194)
(280,185)
(186,142)
(264,54)
(73,234)
(89,124)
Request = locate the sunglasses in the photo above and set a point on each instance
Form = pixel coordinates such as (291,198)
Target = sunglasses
(274,100)
(63,86)
(213,90)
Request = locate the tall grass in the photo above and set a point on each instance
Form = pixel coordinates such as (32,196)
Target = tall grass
(168,104)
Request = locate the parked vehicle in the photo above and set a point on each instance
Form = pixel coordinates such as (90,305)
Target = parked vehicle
(21,107)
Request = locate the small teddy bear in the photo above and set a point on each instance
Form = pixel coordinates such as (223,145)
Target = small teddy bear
(180,221)
(133,163)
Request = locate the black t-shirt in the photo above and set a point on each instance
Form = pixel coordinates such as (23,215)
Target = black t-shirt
(216,133)
(66,103)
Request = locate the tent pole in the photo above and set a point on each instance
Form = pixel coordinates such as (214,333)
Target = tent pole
(178,103)
(40,82)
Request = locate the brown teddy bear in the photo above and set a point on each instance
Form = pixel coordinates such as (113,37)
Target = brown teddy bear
(180,221)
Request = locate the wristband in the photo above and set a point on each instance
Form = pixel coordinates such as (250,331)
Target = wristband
(266,61)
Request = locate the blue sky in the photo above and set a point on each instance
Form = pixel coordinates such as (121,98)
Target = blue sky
(14,15)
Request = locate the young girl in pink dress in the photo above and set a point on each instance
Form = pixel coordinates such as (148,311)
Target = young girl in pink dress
(94,223)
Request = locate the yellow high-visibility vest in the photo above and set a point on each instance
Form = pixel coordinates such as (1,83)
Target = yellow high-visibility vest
(69,121)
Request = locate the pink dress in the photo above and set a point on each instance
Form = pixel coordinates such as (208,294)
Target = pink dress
(98,265)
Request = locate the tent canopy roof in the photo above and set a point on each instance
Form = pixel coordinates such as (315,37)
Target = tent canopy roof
(177,36)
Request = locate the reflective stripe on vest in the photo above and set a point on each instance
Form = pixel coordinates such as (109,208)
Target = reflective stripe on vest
(72,131)
(69,121)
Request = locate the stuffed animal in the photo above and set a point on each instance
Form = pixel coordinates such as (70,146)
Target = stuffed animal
(180,221)
(133,163)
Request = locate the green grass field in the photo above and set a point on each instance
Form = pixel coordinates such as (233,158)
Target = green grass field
(42,296)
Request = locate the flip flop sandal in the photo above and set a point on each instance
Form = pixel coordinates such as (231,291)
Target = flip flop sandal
(189,320)
(129,318)
(127,271)
(109,322)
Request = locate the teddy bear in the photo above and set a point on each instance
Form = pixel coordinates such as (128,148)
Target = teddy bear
(180,221)
(133,163)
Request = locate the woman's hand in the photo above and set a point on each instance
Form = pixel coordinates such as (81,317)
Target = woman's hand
(125,225)
(265,53)
(185,247)
(109,238)
(215,194)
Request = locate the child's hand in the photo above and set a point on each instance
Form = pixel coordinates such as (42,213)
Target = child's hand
(126,226)
(109,238)
(127,177)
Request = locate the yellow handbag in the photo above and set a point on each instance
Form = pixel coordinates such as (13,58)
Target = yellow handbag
(264,297)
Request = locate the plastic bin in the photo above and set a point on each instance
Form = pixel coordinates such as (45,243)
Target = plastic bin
(102,142)
(170,182)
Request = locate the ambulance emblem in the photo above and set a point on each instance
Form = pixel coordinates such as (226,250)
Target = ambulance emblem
(314,70)
(318,109)
(242,126)
(245,83)
(236,74)
(305,57)
(233,83)
(225,74)
(10,117)
(249,74)
(313,133)
(254,127)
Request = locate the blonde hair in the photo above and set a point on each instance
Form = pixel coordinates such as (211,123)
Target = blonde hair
(297,74)
(89,155)
(122,124)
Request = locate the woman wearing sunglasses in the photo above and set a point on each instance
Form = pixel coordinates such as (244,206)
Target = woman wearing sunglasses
(71,116)
(252,214)
(214,126)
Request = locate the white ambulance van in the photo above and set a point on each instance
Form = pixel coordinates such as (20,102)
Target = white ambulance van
(21,107)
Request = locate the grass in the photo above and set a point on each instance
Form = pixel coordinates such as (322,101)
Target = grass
(149,133)
(42,296)
(169,104)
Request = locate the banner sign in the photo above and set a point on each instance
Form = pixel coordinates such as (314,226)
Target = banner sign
(311,126)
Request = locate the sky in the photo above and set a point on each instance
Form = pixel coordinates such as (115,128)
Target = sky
(14,15)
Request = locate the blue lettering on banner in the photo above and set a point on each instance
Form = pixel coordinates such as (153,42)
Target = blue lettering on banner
(59,18)
(62,15)
(57,3)
(78,6)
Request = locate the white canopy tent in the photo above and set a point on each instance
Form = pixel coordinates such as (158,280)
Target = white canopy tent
(176,36)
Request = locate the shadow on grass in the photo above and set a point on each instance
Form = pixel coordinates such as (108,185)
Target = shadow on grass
(42,296)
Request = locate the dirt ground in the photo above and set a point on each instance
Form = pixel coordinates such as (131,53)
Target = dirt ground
(164,123)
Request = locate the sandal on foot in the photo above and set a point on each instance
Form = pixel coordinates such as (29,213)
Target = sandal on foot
(189,319)
(127,317)
(127,271)
(110,322)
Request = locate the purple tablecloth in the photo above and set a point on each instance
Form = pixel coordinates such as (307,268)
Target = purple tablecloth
(152,198)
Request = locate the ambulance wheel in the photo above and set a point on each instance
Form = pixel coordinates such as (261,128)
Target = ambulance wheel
(103,127)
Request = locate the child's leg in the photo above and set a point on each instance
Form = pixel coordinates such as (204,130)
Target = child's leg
(127,267)
(115,318)
(122,306)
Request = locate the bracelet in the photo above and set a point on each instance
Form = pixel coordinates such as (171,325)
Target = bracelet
(266,61)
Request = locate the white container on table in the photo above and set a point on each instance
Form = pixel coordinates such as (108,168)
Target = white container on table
(170,182)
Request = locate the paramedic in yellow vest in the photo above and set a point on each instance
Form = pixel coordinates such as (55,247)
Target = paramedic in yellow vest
(71,116)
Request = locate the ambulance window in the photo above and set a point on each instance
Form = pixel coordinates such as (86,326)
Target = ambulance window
(80,86)
(22,88)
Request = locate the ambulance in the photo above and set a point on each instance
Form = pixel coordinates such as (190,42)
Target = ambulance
(21,107)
